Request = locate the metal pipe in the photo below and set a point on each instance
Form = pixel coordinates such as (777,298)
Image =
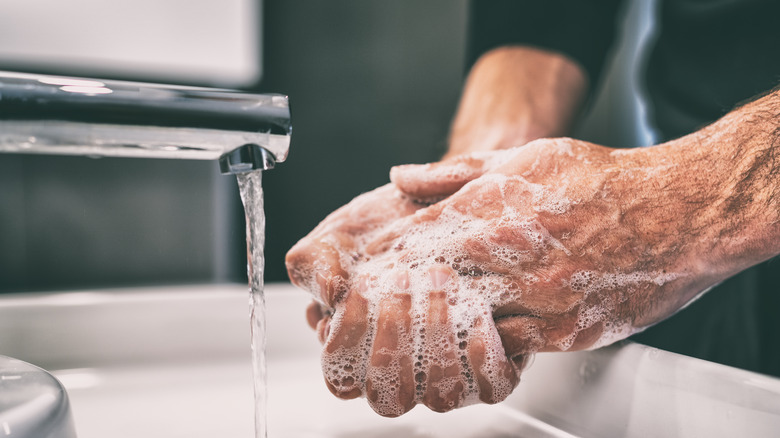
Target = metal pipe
(100,118)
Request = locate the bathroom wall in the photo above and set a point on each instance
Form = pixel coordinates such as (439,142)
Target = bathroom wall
(372,84)
(73,222)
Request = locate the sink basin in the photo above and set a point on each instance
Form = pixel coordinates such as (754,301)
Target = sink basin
(33,404)
(174,362)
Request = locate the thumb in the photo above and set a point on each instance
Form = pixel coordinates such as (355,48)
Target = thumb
(437,180)
(433,181)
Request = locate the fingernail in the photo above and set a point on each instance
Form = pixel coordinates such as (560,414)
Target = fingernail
(363,284)
(401,174)
(439,276)
(402,280)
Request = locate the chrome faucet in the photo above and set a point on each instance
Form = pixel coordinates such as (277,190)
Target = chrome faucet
(94,117)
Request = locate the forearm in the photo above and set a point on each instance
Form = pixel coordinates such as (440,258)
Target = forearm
(514,95)
(749,204)
(716,197)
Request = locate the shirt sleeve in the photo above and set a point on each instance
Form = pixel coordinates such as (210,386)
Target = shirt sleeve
(582,30)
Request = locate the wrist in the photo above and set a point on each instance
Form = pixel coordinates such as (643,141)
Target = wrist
(514,95)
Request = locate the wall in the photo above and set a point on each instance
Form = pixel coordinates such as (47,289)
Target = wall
(371,84)
(72,222)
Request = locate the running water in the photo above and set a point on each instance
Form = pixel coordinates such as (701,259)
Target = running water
(249,184)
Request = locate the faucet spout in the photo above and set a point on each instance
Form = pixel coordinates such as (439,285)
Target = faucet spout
(245,159)
(75,116)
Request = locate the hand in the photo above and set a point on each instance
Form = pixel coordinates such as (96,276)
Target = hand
(559,245)
(571,244)
(320,262)
(531,250)
(395,339)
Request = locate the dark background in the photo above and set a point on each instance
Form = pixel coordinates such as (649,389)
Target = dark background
(371,84)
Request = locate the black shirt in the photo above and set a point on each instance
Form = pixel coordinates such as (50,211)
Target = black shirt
(708,57)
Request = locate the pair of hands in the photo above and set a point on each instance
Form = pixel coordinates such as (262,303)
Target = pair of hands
(439,287)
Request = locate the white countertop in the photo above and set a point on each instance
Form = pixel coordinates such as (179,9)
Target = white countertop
(174,361)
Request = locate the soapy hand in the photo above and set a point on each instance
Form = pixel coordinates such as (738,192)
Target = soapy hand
(384,337)
(438,288)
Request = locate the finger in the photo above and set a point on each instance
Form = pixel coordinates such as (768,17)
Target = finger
(536,159)
(538,289)
(390,387)
(520,335)
(314,314)
(588,336)
(528,334)
(383,242)
(436,180)
(345,354)
(444,386)
(493,373)
(315,265)
(317,262)
(366,211)
(323,329)
(375,208)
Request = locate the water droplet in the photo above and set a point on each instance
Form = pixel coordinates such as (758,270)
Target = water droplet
(475,271)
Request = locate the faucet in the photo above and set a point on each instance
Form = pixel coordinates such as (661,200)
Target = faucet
(99,118)
(43,114)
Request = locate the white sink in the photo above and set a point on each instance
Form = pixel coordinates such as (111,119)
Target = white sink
(33,404)
(174,362)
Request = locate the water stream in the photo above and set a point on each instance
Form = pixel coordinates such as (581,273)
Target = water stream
(249,184)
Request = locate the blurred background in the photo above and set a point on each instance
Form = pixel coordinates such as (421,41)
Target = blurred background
(371,83)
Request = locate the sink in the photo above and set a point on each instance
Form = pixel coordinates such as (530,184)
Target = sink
(174,362)
(33,404)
